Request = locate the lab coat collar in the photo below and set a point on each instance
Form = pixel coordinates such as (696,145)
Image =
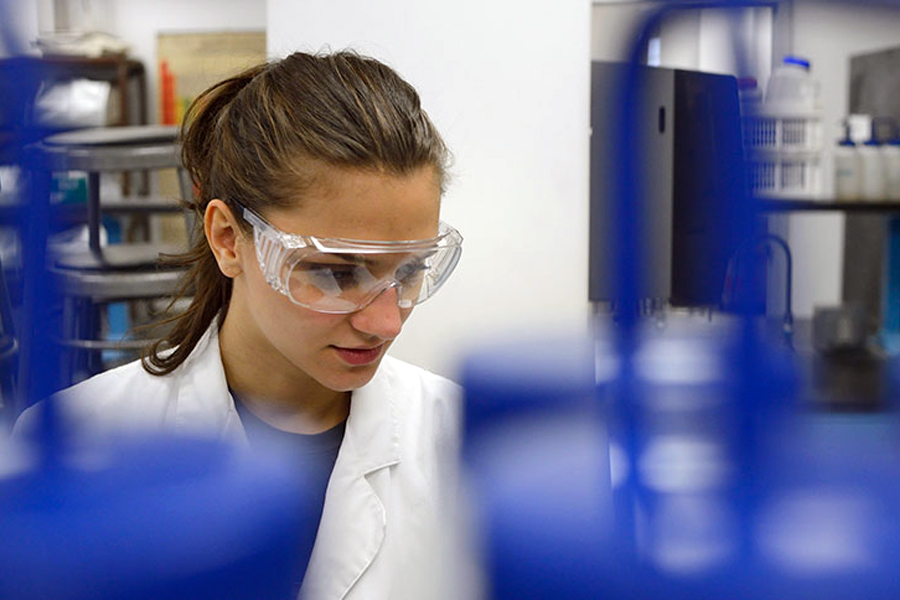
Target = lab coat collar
(204,402)
(374,425)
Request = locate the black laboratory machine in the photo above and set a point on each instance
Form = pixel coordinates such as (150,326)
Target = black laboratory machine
(688,129)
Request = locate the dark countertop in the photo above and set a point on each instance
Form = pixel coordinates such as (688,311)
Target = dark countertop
(854,380)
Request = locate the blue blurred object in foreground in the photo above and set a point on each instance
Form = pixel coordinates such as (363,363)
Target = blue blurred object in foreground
(537,449)
(154,518)
(730,500)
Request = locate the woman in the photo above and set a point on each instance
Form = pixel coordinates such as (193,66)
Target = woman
(318,181)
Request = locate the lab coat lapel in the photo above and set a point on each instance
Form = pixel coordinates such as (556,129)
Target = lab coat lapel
(352,527)
(205,405)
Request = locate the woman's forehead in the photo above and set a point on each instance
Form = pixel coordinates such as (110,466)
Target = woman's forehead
(366,205)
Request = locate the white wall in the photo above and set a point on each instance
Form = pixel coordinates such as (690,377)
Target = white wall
(508,84)
(680,40)
(612,27)
(725,33)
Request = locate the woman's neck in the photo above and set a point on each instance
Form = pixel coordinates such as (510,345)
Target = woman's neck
(279,394)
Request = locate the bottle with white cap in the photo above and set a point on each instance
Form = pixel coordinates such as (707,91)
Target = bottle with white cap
(871,161)
(846,167)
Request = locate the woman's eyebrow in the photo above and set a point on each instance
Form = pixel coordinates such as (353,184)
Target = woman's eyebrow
(341,256)
(353,258)
(369,260)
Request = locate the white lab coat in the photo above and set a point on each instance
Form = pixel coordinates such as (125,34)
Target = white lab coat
(387,529)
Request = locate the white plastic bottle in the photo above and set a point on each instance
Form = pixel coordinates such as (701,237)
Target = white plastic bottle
(846,168)
(890,152)
(791,88)
(871,162)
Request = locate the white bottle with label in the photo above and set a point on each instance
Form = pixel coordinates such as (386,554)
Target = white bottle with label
(846,168)
(871,160)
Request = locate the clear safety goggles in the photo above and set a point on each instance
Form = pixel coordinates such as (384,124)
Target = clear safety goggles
(340,276)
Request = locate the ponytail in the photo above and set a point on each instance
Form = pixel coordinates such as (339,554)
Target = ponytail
(209,289)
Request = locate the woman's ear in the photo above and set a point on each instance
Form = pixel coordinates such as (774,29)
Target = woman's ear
(224,237)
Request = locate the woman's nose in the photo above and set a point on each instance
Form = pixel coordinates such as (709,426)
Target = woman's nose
(382,317)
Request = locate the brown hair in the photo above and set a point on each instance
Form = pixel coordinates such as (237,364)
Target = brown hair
(256,138)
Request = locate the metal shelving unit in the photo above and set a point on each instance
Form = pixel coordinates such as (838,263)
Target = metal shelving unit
(776,205)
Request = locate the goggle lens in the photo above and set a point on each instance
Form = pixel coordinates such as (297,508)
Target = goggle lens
(341,283)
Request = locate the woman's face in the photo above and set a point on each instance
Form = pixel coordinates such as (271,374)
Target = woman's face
(340,352)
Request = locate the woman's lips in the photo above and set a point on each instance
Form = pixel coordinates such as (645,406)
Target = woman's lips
(359,356)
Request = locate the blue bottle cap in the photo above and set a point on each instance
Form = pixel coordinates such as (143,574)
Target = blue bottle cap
(796,60)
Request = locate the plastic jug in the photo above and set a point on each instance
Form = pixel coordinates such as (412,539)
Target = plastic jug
(792,89)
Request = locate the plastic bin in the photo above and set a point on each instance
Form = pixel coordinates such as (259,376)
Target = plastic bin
(783,137)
